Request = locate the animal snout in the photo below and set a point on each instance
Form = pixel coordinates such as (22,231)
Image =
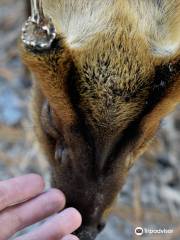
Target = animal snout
(89,232)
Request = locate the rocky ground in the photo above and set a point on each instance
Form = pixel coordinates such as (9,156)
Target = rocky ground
(151,196)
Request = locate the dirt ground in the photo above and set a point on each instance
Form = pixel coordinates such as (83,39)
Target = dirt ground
(151,196)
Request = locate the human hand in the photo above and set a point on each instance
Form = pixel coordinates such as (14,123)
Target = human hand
(23,203)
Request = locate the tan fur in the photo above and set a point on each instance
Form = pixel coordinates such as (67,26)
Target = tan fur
(113,76)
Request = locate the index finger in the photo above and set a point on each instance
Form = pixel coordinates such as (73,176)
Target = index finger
(20,189)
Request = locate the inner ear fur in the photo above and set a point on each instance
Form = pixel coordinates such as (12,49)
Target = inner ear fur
(169,100)
(159,21)
(151,121)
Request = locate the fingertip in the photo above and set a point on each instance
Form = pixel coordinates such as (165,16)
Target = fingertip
(75,215)
(59,197)
(70,237)
(35,178)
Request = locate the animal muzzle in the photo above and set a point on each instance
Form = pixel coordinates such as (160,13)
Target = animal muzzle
(90,233)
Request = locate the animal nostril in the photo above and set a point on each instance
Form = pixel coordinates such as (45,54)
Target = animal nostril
(101,226)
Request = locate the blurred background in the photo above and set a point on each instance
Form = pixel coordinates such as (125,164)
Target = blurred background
(151,196)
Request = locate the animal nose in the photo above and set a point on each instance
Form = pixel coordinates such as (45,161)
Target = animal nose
(87,233)
(90,233)
(101,226)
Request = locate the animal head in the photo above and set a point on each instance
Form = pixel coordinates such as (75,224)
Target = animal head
(99,96)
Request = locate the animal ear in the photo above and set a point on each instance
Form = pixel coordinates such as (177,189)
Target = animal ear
(164,98)
(160,22)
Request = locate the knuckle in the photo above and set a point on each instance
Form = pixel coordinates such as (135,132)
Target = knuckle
(18,221)
(3,196)
(11,221)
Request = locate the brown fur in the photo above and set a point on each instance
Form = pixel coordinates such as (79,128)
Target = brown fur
(107,95)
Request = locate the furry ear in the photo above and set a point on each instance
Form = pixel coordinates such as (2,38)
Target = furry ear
(165,40)
(163,99)
(159,20)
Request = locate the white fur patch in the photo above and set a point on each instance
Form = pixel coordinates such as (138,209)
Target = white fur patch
(166,50)
(79,20)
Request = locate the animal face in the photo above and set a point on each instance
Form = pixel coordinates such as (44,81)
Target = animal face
(115,100)
(98,101)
